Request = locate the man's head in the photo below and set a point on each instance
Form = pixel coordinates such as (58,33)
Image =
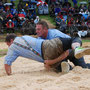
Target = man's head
(37,17)
(10,20)
(42,29)
(10,38)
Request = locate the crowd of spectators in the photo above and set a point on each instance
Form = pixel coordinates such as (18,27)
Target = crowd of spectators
(73,19)
(12,18)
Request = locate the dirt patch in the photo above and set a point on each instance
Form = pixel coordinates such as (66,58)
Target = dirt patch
(3,45)
(3,52)
(2,38)
(86,44)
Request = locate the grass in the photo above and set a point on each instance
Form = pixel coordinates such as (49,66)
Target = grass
(85,40)
(16,2)
(47,17)
(2,38)
(78,2)
(3,52)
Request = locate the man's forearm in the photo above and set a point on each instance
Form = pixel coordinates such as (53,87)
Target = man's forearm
(8,69)
(60,58)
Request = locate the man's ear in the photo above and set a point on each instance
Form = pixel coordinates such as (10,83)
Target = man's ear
(11,40)
(45,28)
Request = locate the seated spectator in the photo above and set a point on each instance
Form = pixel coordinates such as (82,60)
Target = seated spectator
(36,20)
(33,13)
(63,26)
(20,16)
(83,19)
(10,26)
(58,21)
(78,22)
(76,8)
(88,23)
(15,22)
(1,5)
(9,16)
(27,28)
(57,10)
(83,7)
(29,16)
(82,33)
(19,6)
(81,11)
(88,18)
(70,22)
(60,15)
(33,26)
(13,11)
(16,16)
(87,11)
(72,10)
(20,22)
(26,7)
(23,12)
(7,8)
(65,17)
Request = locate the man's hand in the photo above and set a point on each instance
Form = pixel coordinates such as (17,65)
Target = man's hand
(8,69)
(46,62)
(58,59)
(46,65)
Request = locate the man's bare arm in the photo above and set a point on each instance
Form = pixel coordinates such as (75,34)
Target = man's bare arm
(8,69)
(60,58)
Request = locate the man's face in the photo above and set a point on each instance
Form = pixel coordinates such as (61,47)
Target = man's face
(8,43)
(39,30)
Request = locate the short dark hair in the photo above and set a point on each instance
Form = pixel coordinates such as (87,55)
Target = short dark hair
(44,24)
(9,37)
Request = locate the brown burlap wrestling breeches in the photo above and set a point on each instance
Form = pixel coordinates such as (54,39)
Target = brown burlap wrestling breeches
(52,49)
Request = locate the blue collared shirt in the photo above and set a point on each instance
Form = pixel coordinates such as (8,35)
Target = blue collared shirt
(15,51)
(54,33)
